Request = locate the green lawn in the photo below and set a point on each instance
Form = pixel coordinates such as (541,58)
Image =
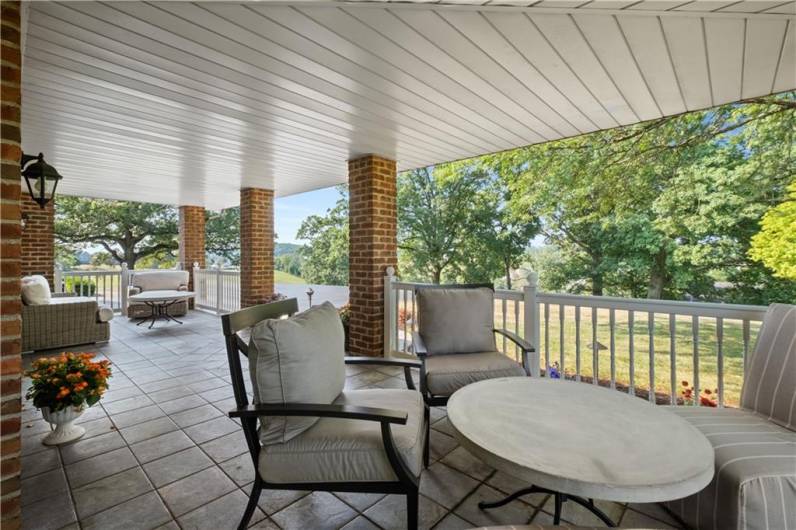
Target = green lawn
(286,277)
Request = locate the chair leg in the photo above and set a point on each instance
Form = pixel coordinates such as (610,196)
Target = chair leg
(426,447)
(412,499)
(254,496)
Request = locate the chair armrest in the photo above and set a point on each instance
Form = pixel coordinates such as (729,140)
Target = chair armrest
(524,345)
(418,346)
(321,411)
(407,365)
(182,287)
(133,290)
(383,361)
(62,295)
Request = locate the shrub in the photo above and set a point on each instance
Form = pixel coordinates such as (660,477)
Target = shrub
(80,286)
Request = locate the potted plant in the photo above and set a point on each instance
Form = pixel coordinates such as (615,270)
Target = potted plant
(62,387)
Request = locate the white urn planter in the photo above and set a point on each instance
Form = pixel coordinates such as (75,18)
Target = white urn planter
(65,428)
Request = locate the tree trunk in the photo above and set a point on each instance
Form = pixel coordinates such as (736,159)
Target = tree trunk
(597,284)
(129,257)
(658,276)
(436,276)
(508,274)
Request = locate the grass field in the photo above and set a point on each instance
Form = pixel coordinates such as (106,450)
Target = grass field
(550,343)
(286,277)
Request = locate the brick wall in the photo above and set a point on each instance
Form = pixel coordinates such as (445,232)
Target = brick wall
(192,239)
(256,246)
(38,239)
(10,266)
(373,247)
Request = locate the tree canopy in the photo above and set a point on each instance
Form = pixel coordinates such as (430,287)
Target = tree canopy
(324,259)
(775,244)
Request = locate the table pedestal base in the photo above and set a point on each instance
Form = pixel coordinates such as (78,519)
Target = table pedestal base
(559,499)
(159,311)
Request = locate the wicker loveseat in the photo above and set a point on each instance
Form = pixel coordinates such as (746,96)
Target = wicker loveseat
(166,280)
(66,321)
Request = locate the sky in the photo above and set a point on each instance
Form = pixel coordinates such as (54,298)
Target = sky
(290,211)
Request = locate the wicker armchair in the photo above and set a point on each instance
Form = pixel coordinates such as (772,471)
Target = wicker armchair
(66,321)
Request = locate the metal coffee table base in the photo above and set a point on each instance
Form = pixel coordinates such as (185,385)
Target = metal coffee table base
(160,310)
(559,499)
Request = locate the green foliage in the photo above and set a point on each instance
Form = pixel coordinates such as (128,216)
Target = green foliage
(80,286)
(126,230)
(101,259)
(324,260)
(222,234)
(289,263)
(775,244)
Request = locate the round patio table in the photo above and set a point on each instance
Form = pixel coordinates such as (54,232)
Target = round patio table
(580,442)
(160,301)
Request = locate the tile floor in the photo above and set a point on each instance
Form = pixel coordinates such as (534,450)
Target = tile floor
(160,452)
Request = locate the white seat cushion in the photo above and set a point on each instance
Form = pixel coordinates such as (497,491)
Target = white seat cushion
(35,290)
(342,450)
(445,374)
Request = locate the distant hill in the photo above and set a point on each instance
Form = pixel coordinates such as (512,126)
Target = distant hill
(283,249)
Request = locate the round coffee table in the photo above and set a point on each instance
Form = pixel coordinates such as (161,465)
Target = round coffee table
(160,301)
(580,442)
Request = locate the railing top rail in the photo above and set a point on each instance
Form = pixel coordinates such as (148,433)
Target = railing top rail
(732,311)
(91,273)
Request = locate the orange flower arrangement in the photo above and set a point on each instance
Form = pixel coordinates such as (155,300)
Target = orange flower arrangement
(705,399)
(69,380)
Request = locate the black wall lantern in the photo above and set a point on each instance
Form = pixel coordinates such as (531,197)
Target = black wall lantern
(40,177)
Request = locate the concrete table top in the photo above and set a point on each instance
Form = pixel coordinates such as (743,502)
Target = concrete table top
(581,439)
(161,296)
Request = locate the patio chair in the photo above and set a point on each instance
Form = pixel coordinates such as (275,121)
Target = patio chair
(455,341)
(755,445)
(314,435)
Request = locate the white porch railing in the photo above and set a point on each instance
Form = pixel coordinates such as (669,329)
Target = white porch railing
(216,289)
(644,347)
(104,285)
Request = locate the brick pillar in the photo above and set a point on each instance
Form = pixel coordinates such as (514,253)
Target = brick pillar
(38,237)
(10,265)
(256,246)
(192,240)
(373,246)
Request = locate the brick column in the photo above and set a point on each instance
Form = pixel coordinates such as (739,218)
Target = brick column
(192,240)
(10,265)
(373,246)
(38,237)
(256,246)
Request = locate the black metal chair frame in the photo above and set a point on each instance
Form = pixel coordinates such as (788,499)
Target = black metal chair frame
(407,483)
(419,348)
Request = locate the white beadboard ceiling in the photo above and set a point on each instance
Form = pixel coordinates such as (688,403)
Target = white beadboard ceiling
(185,103)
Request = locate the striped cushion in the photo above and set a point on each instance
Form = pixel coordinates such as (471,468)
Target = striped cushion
(755,481)
(770,381)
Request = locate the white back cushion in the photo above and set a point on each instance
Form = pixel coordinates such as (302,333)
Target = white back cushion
(159,280)
(35,290)
(456,320)
(296,360)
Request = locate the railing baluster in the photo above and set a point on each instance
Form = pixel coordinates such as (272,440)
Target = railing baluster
(504,310)
(516,327)
(547,339)
(695,339)
(595,352)
(561,341)
(746,337)
(612,325)
(631,351)
(651,330)
(397,318)
(406,291)
(673,358)
(577,343)
(720,358)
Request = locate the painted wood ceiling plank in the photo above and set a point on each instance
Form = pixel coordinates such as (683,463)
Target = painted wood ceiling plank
(786,71)
(387,56)
(302,52)
(686,43)
(657,5)
(725,44)
(528,86)
(788,8)
(764,41)
(756,6)
(535,48)
(562,32)
(705,6)
(417,32)
(646,40)
(225,51)
(609,44)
